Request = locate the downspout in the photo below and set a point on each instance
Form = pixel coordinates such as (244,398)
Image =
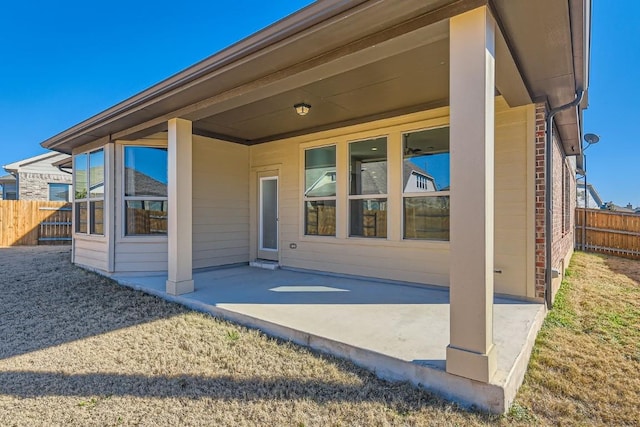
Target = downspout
(548,200)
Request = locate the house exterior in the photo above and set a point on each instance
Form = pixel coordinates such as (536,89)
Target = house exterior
(475,94)
(610,206)
(8,186)
(37,178)
(593,200)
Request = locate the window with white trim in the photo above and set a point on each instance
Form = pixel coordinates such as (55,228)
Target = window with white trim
(145,190)
(368,188)
(320,191)
(426,184)
(88,182)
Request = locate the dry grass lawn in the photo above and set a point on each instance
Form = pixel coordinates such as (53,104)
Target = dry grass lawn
(76,349)
(585,367)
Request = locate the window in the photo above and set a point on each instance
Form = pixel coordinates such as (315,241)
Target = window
(59,192)
(426,184)
(368,188)
(89,192)
(320,191)
(145,190)
(566,199)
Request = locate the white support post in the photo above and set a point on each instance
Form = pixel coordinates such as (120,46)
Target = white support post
(180,195)
(471,352)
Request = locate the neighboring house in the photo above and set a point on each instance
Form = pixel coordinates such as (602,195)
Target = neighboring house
(37,178)
(593,201)
(610,206)
(9,191)
(385,83)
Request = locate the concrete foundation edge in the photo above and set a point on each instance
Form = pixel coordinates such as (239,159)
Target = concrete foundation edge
(466,392)
(515,378)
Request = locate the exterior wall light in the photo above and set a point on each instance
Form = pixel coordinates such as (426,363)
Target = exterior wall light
(302,109)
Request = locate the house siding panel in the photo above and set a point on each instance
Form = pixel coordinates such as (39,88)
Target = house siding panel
(513,245)
(220,203)
(412,261)
(91,252)
(220,212)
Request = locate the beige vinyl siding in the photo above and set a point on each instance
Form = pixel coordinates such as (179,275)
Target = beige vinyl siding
(514,154)
(91,252)
(220,203)
(140,255)
(220,210)
(393,258)
(411,261)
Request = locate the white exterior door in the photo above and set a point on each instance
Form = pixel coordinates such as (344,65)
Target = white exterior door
(268,230)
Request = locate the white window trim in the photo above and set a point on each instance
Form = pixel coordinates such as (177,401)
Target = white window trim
(136,238)
(431,119)
(88,199)
(408,195)
(306,198)
(373,196)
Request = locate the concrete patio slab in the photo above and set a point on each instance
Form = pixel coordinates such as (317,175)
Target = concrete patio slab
(398,330)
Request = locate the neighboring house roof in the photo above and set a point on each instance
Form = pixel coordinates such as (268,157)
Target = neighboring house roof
(146,185)
(610,206)
(15,166)
(597,200)
(65,163)
(343,55)
(410,168)
(7,179)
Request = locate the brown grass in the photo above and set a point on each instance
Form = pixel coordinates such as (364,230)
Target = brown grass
(76,349)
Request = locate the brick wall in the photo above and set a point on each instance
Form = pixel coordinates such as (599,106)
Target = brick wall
(562,235)
(35,186)
(541,128)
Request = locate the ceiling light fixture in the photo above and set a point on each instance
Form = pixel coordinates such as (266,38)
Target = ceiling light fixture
(302,109)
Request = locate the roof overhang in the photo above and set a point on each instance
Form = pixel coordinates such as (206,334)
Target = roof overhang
(352,61)
(7,179)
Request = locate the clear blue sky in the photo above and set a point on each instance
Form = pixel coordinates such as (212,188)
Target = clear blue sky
(62,62)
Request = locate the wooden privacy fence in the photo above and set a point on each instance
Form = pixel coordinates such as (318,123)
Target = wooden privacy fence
(608,232)
(30,223)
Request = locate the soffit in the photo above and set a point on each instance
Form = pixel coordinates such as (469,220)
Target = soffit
(547,40)
(404,81)
(355,62)
(312,34)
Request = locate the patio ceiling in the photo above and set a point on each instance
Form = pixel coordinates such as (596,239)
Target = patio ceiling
(352,61)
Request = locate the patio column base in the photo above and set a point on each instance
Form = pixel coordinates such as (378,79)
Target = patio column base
(468,364)
(181,287)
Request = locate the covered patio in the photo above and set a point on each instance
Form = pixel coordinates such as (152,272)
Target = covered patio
(384,85)
(399,330)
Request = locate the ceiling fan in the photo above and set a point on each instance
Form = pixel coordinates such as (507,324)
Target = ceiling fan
(409,150)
